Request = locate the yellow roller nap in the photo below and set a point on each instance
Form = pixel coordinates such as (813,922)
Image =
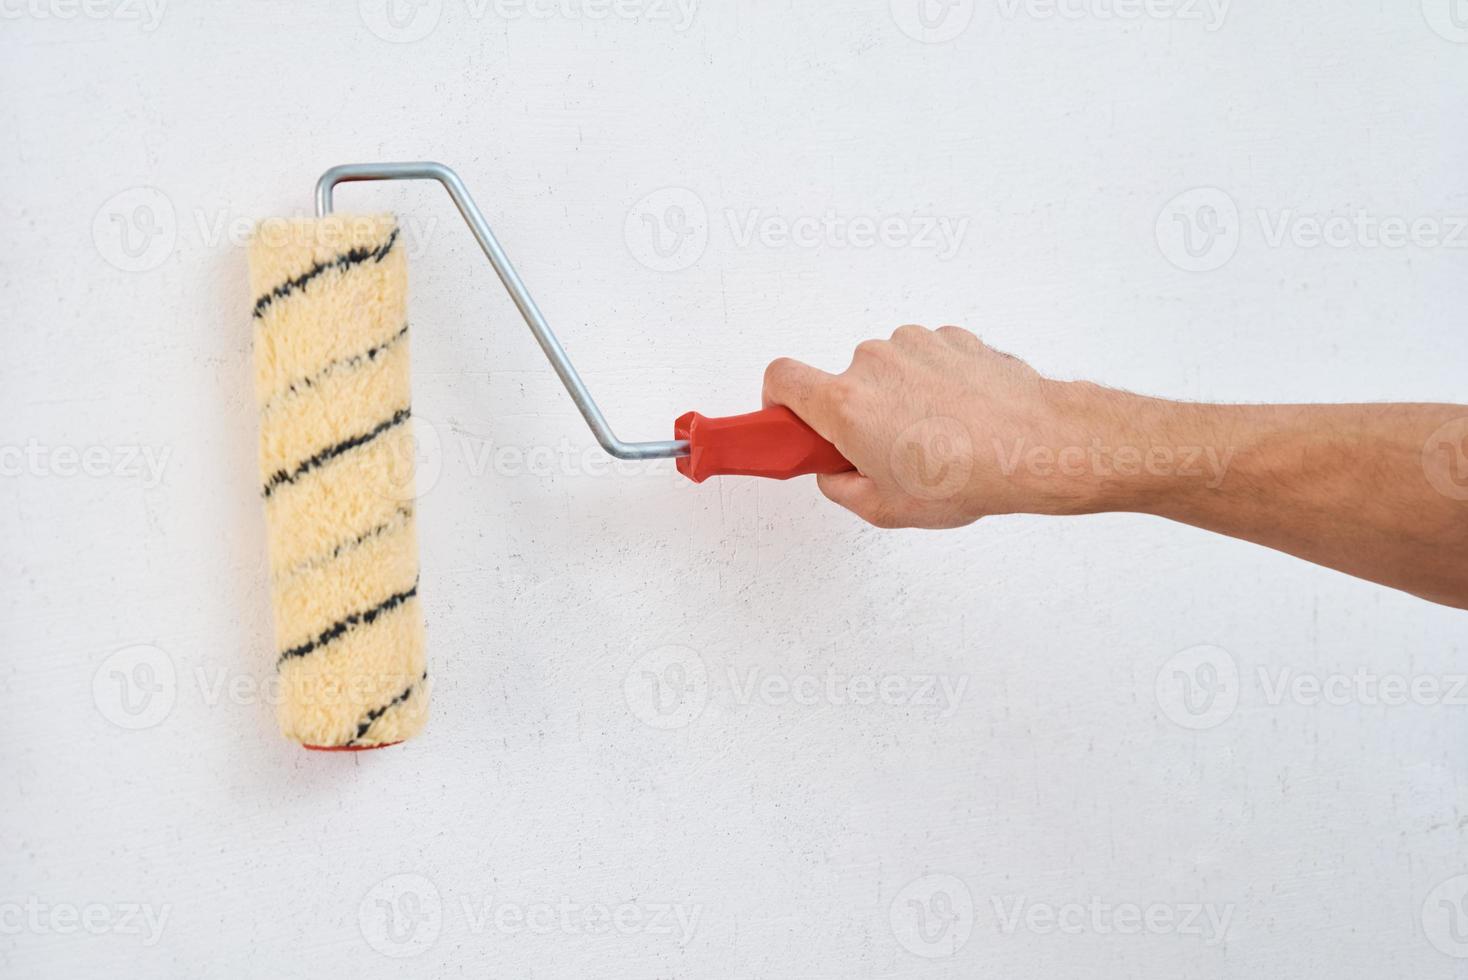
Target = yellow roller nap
(336,452)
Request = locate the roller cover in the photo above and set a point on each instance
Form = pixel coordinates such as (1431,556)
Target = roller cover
(336,467)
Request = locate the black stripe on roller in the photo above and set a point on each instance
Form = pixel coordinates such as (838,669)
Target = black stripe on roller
(332,367)
(339,628)
(346,260)
(401,516)
(282,477)
(376,713)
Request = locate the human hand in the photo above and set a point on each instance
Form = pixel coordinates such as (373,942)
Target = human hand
(943,430)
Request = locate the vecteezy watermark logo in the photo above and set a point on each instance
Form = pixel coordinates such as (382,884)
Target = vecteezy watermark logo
(933,458)
(1445,917)
(40,918)
(135,230)
(678,13)
(1208,464)
(668,229)
(135,687)
(1202,920)
(1210,13)
(404,915)
(932,21)
(484,457)
(1364,687)
(1445,459)
(1198,688)
(400,21)
(403,21)
(941,692)
(673,920)
(41,461)
(1448,19)
(1361,229)
(933,916)
(148,13)
(667,688)
(414,463)
(1198,230)
(401,916)
(941,235)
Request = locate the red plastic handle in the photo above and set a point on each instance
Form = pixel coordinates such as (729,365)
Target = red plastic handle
(773,442)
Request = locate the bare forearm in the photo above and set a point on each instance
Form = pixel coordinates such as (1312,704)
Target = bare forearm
(944,430)
(1351,487)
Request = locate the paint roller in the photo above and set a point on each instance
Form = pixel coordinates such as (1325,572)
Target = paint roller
(336,445)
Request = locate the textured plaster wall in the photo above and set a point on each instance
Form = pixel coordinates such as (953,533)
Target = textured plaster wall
(725,731)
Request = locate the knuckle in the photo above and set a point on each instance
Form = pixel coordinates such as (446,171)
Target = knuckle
(910,332)
(951,332)
(777,369)
(781,376)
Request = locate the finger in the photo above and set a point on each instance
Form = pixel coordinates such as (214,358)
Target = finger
(797,386)
(910,333)
(957,337)
(857,494)
(869,354)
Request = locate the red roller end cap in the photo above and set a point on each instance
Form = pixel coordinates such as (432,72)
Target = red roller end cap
(348,748)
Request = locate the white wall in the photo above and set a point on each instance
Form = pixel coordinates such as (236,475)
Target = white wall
(801,839)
